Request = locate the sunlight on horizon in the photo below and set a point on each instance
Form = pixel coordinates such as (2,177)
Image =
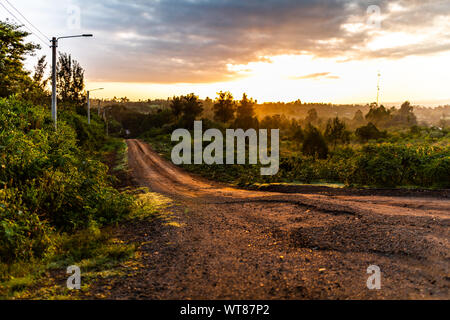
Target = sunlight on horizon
(291,77)
(280,61)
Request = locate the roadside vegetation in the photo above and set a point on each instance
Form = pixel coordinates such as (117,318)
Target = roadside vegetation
(384,148)
(63,194)
(59,202)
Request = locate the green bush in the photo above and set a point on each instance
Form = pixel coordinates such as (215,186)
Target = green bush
(47,182)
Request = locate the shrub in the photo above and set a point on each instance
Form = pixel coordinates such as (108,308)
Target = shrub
(314,144)
(47,182)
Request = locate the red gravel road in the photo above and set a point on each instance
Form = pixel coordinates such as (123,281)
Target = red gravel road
(242,244)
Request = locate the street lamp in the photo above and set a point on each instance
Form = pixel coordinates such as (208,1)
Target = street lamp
(89,103)
(54,45)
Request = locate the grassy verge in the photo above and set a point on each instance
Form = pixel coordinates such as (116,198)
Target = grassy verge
(98,251)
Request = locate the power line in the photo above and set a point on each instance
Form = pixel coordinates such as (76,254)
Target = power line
(18,20)
(28,20)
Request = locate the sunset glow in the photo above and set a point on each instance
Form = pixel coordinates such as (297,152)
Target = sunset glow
(333,56)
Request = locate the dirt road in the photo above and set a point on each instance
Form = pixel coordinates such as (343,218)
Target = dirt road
(240,244)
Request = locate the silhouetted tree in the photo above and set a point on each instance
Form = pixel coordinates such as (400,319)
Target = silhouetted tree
(224,108)
(70,79)
(14,79)
(296,131)
(336,132)
(245,115)
(192,108)
(378,115)
(177,106)
(359,117)
(39,73)
(314,143)
(369,132)
(312,116)
(405,116)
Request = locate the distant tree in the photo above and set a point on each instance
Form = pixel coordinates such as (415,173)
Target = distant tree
(369,132)
(192,108)
(312,116)
(38,93)
(245,115)
(208,108)
(70,79)
(39,73)
(275,122)
(336,132)
(379,116)
(14,79)
(405,115)
(296,131)
(359,117)
(224,108)
(314,143)
(177,106)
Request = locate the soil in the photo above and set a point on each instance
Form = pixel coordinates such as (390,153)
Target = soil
(283,243)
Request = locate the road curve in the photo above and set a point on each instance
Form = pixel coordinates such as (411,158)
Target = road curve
(239,244)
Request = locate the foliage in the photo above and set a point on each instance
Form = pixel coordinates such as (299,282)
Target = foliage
(404,116)
(192,108)
(70,77)
(369,132)
(336,132)
(47,183)
(224,108)
(314,143)
(378,115)
(245,114)
(312,116)
(177,106)
(14,79)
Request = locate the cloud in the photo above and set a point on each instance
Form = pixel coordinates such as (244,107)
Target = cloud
(319,75)
(193,41)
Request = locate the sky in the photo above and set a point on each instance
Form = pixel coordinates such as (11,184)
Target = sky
(275,50)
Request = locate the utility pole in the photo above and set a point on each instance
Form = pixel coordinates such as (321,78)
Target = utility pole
(54,101)
(54,45)
(89,108)
(89,104)
(106,121)
(378,88)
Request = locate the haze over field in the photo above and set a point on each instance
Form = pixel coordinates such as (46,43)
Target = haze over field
(328,51)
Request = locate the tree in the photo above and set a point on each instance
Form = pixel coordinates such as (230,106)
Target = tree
(405,116)
(177,106)
(369,132)
(245,115)
(336,132)
(296,131)
(314,143)
(14,79)
(312,116)
(192,108)
(358,118)
(224,108)
(39,73)
(70,79)
(38,93)
(379,116)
